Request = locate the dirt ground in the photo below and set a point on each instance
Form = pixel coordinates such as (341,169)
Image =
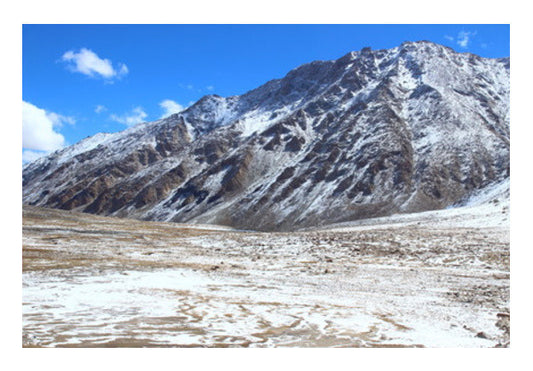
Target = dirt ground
(92,281)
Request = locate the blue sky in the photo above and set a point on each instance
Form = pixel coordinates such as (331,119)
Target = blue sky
(79,80)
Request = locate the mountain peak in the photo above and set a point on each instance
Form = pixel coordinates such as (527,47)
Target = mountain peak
(376,132)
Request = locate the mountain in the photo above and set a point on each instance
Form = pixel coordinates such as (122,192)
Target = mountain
(377,132)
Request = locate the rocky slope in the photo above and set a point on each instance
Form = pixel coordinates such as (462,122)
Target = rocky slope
(413,128)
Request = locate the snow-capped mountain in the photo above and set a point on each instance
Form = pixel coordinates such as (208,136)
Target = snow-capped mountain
(413,128)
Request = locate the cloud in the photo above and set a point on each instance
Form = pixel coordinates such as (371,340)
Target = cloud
(170,107)
(448,37)
(100,108)
(123,69)
(186,86)
(90,64)
(464,38)
(38,128)
(59,120)
(29,155)
(191,87)
(136,116)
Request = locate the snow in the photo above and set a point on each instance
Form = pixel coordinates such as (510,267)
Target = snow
(453,129)
(101,309)
(486,215)
(84,145)
(166,284)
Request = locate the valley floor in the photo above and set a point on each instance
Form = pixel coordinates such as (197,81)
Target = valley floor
(438,279)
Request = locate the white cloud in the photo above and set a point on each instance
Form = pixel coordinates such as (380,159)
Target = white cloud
(29,155)
(210,88)
(123,69)
(170,107)
(38,128)
(89,63)
(464,38)
(186,86)
(100,108)
(59,120)
(136,116)
(448,37)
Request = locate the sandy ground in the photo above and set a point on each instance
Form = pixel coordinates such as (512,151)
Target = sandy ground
(429,280)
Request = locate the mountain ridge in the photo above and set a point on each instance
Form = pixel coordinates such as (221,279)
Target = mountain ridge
(369,134)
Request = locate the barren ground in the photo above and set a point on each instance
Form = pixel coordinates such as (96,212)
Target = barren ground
(92,281)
